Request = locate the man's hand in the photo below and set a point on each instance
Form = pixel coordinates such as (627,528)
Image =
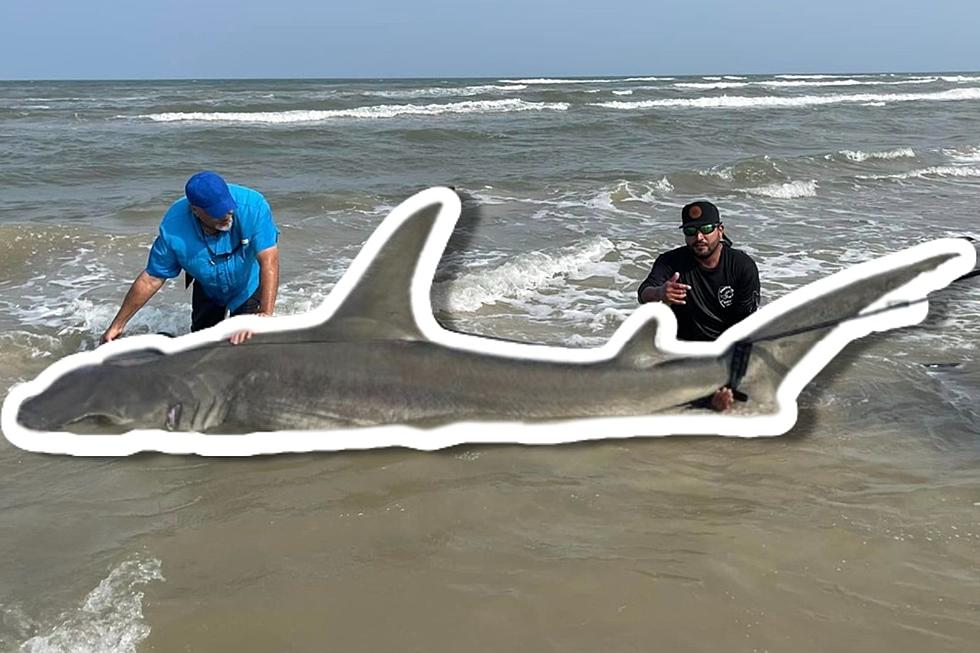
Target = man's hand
(674,291)
(246,334)
(111,334)
(723,399)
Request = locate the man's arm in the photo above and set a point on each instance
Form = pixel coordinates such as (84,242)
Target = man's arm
(651,294)
(748,291)
(268,279)
(144,287)
(268,289)
(662,284)
(671,291)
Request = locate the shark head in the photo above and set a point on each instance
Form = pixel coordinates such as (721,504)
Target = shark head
(114,396)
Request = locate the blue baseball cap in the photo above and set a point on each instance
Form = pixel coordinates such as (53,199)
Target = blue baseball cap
(208,191)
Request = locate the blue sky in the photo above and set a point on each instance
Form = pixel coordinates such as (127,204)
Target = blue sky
(113,39)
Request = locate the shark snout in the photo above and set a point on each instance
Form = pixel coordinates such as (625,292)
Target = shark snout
(34,417)
(42,414)
(78,400)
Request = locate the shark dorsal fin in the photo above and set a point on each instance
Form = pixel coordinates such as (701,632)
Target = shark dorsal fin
(377,301)
(641,351)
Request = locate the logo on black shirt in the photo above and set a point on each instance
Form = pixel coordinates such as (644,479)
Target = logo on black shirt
(726,295)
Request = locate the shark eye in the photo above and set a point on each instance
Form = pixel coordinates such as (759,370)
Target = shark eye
(173,416)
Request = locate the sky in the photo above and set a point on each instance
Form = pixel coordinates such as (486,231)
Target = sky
(198,39)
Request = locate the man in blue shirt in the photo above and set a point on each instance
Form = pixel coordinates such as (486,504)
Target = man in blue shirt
(225,239)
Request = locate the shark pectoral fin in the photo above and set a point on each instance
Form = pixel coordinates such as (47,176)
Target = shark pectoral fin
(641,351)
(385,292)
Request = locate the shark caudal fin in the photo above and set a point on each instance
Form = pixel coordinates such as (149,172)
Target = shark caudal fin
(384,295)
(783,338)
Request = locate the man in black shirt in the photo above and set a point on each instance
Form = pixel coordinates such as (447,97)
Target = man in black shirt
(708,284)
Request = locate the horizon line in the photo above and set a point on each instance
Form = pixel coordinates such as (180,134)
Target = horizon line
(480,77)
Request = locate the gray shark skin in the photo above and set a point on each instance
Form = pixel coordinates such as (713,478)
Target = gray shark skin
(379,359)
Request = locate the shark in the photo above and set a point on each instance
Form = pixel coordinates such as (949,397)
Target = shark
(372,367)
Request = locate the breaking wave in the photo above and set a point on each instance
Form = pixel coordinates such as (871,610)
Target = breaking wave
(960,79)
(546,81)
(443,91)
(553,80)
(964,155)
(366,113)
(808,76)
(859,156)
(801,83)
(520,277)
(786,191)
(775,102)
(932,171)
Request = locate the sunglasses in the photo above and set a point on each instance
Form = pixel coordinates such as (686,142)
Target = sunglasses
(705,229)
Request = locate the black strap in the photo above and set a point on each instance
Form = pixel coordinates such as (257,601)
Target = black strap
(739,365)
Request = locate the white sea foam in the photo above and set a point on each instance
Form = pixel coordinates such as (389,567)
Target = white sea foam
(964,155)
(857,155)
(800,83)
(366,113)
(602,202)
(625,92)
(786,268)
(33,345)
(552,81)
(520,277)
(777,102)
(787,191)
(664,186)
(62,301)
(807,76)
(710,85)
(544,81)
(932,171)
(109,620)
(960,79)
(626,191)
(444,91)
(724,173)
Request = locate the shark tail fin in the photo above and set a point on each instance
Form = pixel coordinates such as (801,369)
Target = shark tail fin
(830,316)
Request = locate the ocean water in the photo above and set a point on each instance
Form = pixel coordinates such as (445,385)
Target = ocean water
(858,530)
